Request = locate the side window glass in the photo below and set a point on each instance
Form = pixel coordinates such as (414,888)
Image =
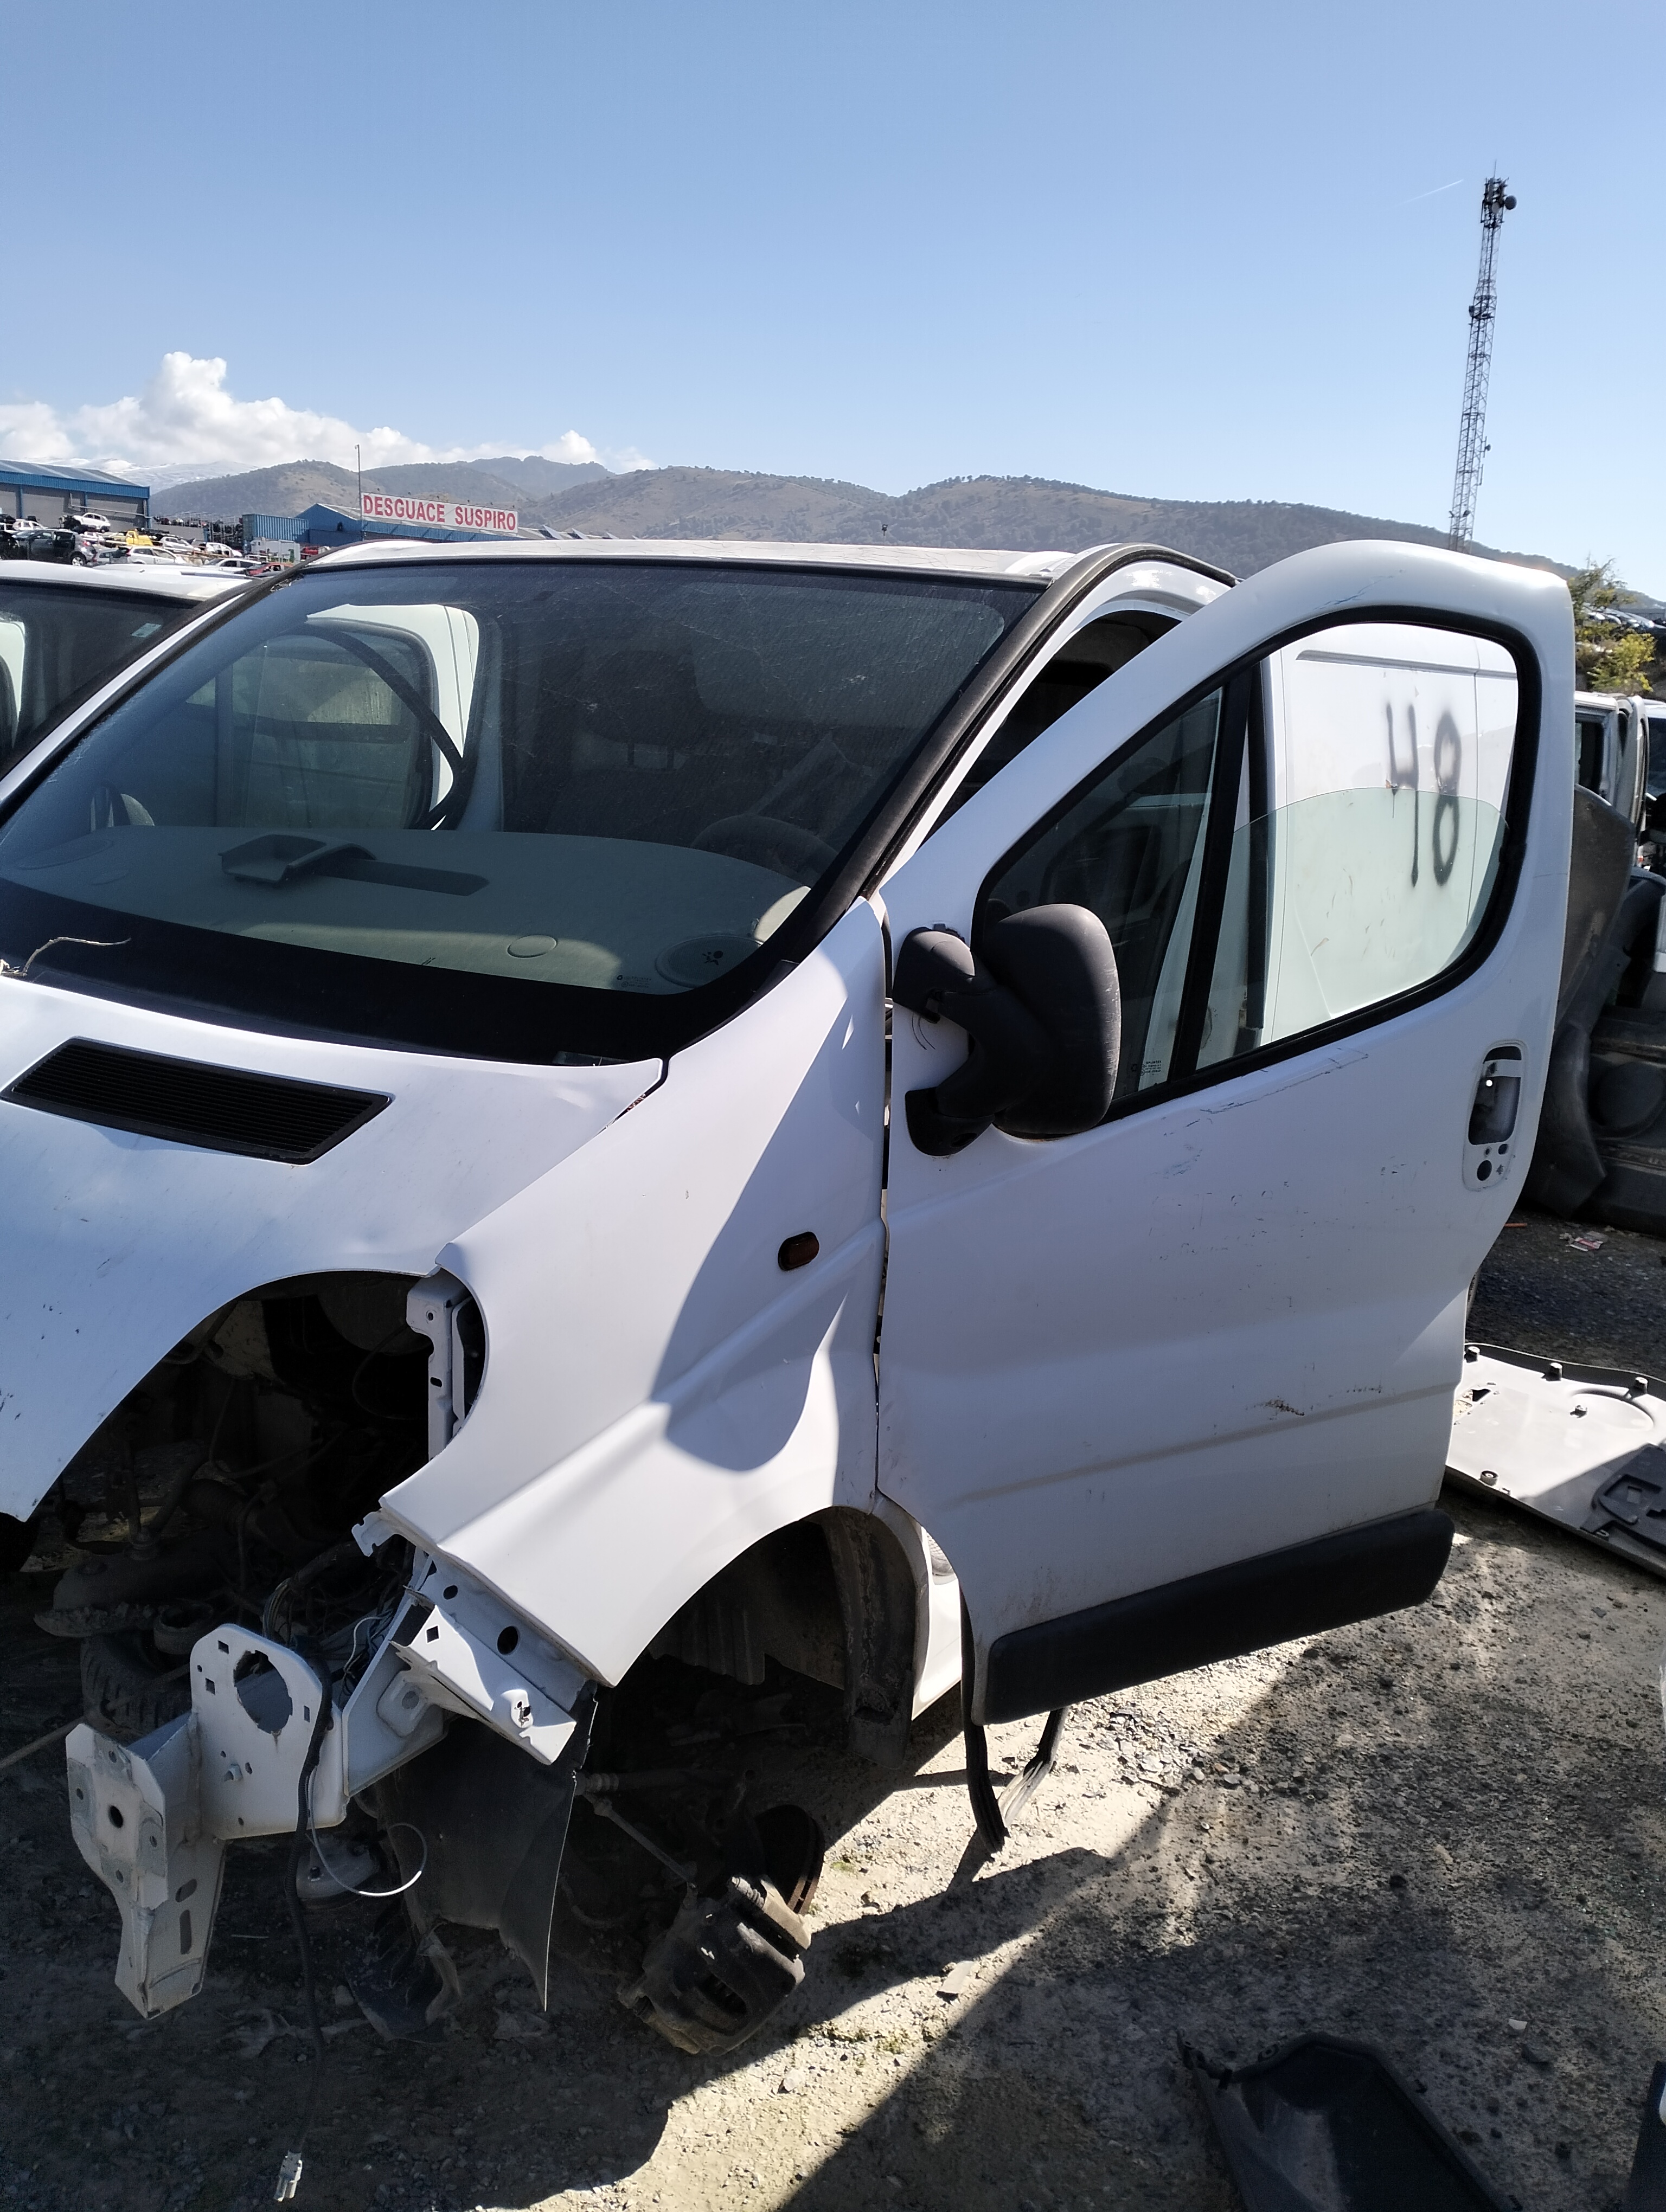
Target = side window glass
(1131,848)
(1082,663)
(1589,769)
(1382,856)
(13,641)
(1319,836)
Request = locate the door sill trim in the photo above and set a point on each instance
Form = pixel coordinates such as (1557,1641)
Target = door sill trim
(1222,1613)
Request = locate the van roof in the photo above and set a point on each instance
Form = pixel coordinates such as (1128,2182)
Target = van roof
(155,582)
(934,560)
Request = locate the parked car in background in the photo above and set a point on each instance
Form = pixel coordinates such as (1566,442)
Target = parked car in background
(64,629)
(1654,714)
(26,540)
(1601,1154)
(1612,733)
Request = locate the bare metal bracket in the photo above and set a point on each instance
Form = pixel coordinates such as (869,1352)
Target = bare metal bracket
(431,1309)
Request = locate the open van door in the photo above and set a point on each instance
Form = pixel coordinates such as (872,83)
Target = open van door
(1176,1380)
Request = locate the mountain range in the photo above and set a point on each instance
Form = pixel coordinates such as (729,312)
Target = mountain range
(1025,514)
(505,481)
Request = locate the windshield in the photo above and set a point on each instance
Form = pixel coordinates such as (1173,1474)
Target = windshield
(57,641)
(527,809)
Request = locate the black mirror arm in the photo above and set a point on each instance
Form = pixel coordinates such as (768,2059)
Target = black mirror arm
(939,979)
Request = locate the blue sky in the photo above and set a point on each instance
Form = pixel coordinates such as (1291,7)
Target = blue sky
(1201,253)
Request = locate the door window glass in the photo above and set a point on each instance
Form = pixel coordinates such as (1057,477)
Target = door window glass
(1318,835)
(1391,749)
(1589,729)
(1131,849)
(1080,665)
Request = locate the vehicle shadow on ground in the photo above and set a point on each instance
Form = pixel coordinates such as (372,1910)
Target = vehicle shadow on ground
(1446,1821)
(1493,1851)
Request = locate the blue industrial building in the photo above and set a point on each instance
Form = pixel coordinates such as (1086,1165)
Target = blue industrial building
(50,493)
(321,528)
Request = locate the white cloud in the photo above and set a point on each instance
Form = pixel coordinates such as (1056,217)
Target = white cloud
(185,423)
(569,447)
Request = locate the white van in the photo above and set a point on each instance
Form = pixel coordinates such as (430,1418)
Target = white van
(1612,738)
(611,1148)
(63,629)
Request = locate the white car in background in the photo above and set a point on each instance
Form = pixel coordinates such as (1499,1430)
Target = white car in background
(614,1154)
(1619,751)
(63,629)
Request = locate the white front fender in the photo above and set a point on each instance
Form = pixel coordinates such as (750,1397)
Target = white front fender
(659,1392)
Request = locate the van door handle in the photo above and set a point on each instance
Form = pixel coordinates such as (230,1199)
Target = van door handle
(1488,1156)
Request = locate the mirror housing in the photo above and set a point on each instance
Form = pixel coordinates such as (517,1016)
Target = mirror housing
(1042,1009)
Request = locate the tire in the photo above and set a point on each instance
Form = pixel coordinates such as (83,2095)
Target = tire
(128,1687)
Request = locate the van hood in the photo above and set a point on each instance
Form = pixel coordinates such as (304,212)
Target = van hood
(117,1245)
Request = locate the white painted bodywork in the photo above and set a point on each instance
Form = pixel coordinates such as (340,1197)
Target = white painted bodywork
(1230,1321)
(1223,1324)
(137,1817)
(196,583)
(659,1391)
(153,1819)
(191,588)
(1624,774)
(1237,1327)
(118,1245)
(471,1655)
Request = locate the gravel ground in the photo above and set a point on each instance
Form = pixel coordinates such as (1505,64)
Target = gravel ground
(1443,1832)
(1540,1292)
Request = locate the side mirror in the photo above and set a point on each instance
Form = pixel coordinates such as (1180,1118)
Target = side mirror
(1042,1007)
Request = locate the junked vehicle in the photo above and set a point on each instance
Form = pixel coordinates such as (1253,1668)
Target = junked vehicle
(29,540)
(64,631)
(1652,714)
(603,1139)
(1612,735)
(1601,1154)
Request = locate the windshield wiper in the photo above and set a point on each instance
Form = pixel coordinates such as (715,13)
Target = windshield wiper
(276,860)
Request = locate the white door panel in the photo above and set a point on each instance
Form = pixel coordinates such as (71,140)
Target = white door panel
(1182,1323)
(1229,1321)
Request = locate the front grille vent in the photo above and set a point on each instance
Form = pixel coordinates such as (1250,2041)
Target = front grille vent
(190,1102)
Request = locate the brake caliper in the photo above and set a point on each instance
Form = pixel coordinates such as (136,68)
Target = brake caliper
(723,1967)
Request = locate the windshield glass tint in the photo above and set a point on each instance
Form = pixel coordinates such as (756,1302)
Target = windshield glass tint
(597,776)
(56,641)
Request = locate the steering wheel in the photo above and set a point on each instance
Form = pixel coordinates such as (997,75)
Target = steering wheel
(767,841)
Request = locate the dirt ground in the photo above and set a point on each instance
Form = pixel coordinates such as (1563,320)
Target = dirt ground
(1443,1832)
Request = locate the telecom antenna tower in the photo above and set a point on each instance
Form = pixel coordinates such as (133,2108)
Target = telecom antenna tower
(1495,203)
